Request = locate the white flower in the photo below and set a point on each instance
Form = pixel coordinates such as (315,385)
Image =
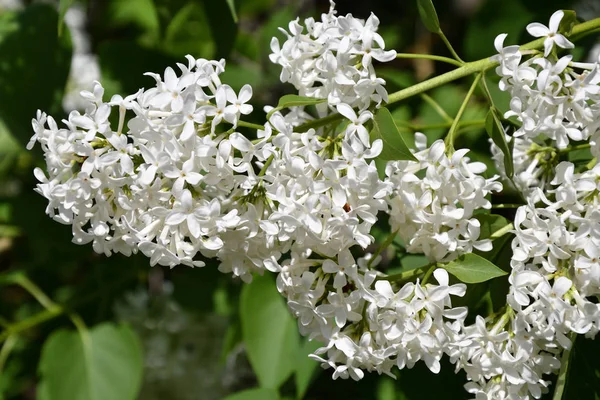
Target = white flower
(551,33)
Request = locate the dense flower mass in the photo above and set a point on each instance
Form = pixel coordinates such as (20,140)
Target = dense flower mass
(182,177)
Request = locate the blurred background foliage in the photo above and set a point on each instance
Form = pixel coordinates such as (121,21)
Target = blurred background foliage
(155,333)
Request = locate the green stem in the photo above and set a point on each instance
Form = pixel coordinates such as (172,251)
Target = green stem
(430,57)
(250,125)
(450,48)
(407,275)
(576,147)
(441,112)
(30,322)
(382,247)
(428,274)
(502,231)
(263,170)
(461,124)
(7,348)
(450,138)
(22,280)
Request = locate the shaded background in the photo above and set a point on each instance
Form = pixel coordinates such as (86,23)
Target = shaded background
(188,321)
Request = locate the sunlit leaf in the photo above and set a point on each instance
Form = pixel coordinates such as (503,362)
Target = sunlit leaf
(306,367)
(104,363)
(394,146)
(471,268)
(429,15)
(231,5)
(269,332)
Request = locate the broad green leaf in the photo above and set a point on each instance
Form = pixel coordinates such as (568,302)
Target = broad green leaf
(471,268)
(428,15)
(269,332)
(254,394)
(494,128)
(384,128)
(386,389)
(231,4)
(34,68)
(63,6)
(567,22)
(305,367)
(294,100)
(104,363)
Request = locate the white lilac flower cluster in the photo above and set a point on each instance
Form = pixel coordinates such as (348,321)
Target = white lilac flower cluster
(333,60)
(555,275)
(434,199)
(178,182)
(555,100)
(366,322)
(554,282)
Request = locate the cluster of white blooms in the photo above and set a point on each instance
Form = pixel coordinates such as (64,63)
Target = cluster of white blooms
(178,182)
(366,322)
(173,183)
(333,60)
(157,187)
(434,200)
(556,102)
(554,281)
(555,264)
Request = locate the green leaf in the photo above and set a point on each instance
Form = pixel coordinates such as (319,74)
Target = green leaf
(63,6)
(305,367)
(254,394)
(104,363)
(231,5)
(294,100)
(394,146)
(428,15)
(471,268)
(269,332)
(567,22)
(494,128)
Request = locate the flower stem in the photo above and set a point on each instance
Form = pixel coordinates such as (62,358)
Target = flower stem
(382,247)
(263,170)
(502,231)
(450,48)
(430,57)
(250,125)
(450,138)
(576,147)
